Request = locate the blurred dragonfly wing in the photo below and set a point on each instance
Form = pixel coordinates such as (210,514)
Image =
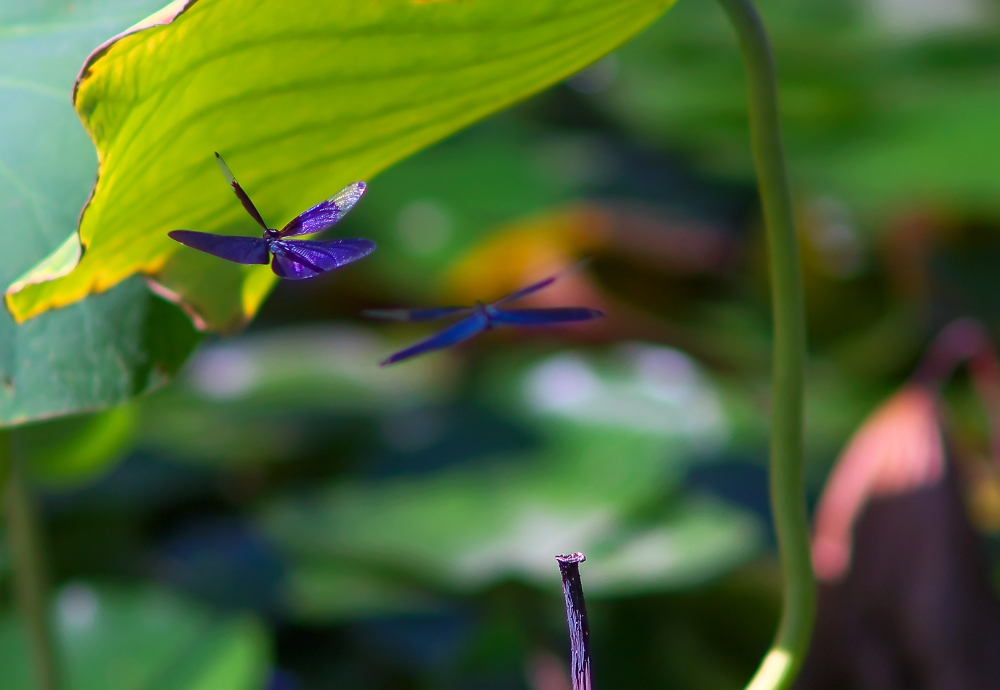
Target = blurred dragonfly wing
(454,334)
(541,317)
(535,287)
(415,314)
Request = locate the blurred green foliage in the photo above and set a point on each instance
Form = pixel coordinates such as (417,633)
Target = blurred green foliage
(77,448)
(395,527)
(140,638)
(882,104)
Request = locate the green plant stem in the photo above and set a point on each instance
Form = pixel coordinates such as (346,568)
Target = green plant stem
(30,578)
(780,666)
(5,460)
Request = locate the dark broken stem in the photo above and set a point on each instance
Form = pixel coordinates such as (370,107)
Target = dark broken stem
(576,617)
(30,578)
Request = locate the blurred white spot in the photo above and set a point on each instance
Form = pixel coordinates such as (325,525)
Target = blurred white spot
(324,367)
(424,227)
(573,160)
(654,389)
(665,373)
(834,236)
(703,541)
(77,607)
(534,534)
(670,376)
(651,554)
(224,372)
(563,382)
(596,78)
(919,17)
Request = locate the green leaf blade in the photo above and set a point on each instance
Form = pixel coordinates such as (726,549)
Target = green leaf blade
(301,99)
(105,349)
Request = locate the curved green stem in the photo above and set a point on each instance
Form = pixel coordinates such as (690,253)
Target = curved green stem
(791,643)
(30,579)
(5,459)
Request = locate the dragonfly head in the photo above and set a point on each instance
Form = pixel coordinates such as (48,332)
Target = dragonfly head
(271,234)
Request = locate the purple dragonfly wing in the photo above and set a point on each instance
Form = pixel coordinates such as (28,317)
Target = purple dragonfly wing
(242,250)
(542,317)
(288,266)
(325,214)
(240,194)
(300,259)
(454,334)
(415,314)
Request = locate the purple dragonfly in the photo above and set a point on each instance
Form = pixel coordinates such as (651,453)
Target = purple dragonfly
(479,318)
(293,259)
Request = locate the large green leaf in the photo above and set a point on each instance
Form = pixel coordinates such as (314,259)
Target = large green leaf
(302,98)
(136,639)
(108,347)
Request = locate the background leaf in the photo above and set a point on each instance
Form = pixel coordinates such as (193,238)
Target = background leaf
(73,449)
(141,638)
(302,99)
(603,459)
(107,348)
(264,397)
(879,108)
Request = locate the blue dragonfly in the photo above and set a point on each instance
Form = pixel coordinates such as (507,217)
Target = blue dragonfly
(479,318)
(293,259)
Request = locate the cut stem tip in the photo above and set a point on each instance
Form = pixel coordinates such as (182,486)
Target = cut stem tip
(576,617)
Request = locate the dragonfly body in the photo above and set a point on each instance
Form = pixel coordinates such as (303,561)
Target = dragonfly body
(292,259)
(481,317)
(487,314)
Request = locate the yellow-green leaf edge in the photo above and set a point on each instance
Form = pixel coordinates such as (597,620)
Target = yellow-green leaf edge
(348,89)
